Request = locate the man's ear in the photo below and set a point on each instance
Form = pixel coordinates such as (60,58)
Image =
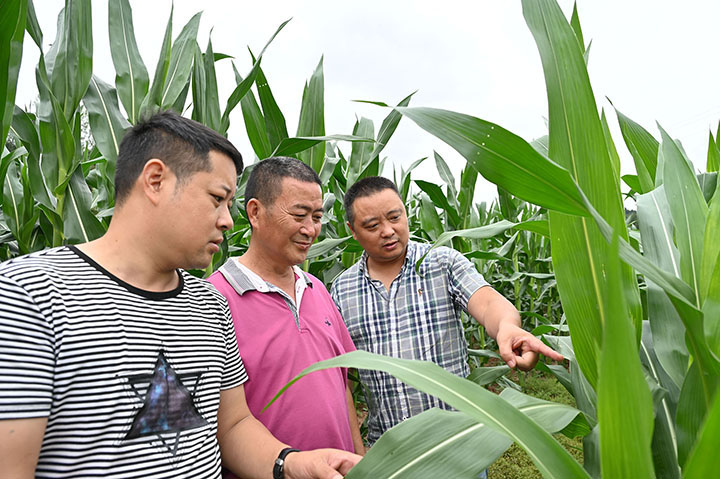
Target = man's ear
(252,210)
(155,179)
(351,229)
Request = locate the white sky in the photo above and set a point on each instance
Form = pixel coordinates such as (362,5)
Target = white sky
(656,60)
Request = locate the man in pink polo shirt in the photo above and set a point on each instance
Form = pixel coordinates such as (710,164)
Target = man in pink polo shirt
(284,318)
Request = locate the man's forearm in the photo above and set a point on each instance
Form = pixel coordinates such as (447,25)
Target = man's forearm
(491,309)
(249,450)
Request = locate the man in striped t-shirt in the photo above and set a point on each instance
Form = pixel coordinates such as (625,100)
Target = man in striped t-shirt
(114,361)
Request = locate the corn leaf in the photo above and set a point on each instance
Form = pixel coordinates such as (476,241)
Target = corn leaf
(644,149)
(181,61)
(713,156)
(32,26)
(244,86)
(312,118)
(23,126)
(688,210)
(153,99)
(360,155)
(388,127)
(72,64)
(80,225)
(441,201)
(657,232)
(131,76)
(624,400)
(502,158)
(325,246)
(106,122)
(475,401)
(292,146)
(274,118)
(577,142)
(12,32)
(254,122)
(702,462)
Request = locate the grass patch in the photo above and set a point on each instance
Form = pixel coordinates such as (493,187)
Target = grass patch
(515,463)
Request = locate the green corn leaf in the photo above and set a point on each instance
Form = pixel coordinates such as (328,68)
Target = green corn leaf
(440,200)
(713,156)
(664,441)
(610,144)
(475,401)
(688,210)
(643,148)
(153,99)
(23,126)
(325,246)
(502,158)
(360,156)
(244,86)
(388,127)
(488,375)
(433,444)
(577,142)
(633,182)
(430,221)
(292,146)
(312,118)
(691,410)
(710,275)
(107,123)
(624,400)
(199,111)
(80,225)
(702,462)
(181,61)
(468,180)
(657,232)
(254,122)
(32,26)
(213,117)
(274,118)
(406,178)
(447,177)
(72,66)
(575,24)
(12,31)
(131,76)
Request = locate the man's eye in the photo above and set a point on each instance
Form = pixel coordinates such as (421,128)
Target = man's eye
(217,198)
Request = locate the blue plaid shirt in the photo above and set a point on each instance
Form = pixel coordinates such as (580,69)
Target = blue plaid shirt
(418,318)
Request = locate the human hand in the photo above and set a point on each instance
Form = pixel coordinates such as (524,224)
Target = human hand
(319,464)
(518,348)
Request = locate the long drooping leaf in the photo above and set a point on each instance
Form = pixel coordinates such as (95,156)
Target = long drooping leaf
(291,146)
(624,400)
(312,118)
(502,158)
(254,122)
(274,119)
(181,61)
(440,201)
(328,244)
(643,148)
(689,212)
(475,401)
(577,142)
(388,127)
(360,156)
(657,232)
(107,123)
(23,125)
(131,76)
(12,31)
(32,26)
(243,86)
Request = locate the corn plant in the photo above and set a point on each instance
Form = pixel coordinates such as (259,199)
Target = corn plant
(651,403)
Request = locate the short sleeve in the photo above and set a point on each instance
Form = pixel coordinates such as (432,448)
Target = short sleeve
(234,373)
(464,278)
(27,359)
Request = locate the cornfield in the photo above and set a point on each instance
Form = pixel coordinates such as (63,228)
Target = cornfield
(631,300)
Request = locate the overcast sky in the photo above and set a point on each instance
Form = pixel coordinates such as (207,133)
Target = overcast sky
(656,60)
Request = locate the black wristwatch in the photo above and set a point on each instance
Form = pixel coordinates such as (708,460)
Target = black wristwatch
(279,467)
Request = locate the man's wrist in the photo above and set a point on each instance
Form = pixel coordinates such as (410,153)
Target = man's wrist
(279,465)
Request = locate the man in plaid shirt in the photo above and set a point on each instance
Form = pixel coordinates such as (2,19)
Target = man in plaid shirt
(392,310)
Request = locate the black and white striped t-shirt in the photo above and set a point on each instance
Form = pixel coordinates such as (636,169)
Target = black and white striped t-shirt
(129,379)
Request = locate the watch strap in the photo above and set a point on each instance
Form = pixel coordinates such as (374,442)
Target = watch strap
(279,466)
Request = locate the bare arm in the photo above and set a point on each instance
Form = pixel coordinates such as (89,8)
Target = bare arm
(249,450)
(20,441)
(502,321)
(354,425)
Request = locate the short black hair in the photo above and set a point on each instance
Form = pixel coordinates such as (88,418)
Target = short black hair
(182,144)
(365,187)
(265,182)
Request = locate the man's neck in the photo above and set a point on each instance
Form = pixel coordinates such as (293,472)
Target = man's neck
(386,271)
(280,275)
(128,257)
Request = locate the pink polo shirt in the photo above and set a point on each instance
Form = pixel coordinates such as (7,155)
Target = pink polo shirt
(276,342)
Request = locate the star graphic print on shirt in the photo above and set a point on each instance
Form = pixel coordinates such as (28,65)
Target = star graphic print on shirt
(168,405)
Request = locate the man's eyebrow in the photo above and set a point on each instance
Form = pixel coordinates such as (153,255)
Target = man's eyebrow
(308,209)
(396,210)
